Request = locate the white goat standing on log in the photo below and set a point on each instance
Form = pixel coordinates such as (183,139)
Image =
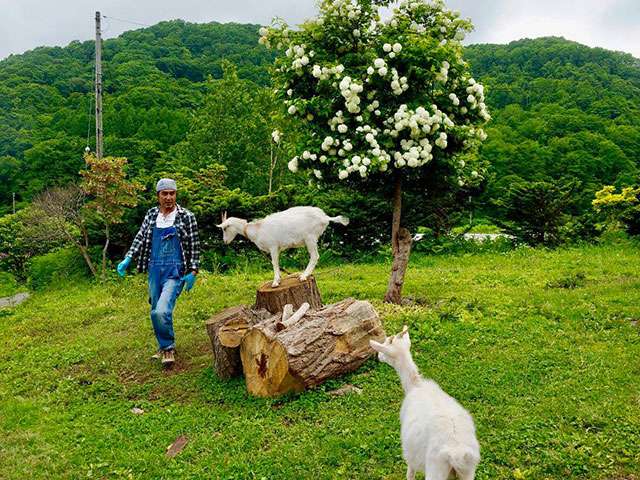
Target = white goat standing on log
(292,228)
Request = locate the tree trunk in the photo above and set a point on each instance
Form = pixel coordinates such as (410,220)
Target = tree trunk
(85,253)
(322,344)
(401,248)
(291,290)
(226,355)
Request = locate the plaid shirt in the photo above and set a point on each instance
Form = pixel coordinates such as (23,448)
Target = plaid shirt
(187,229)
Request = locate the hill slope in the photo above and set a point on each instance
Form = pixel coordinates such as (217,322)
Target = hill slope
(562,111)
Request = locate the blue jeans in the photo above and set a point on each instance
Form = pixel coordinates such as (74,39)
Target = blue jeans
(164,289)
(165,283)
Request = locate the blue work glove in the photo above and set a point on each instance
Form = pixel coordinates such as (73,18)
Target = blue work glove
(122,266)
(189,279)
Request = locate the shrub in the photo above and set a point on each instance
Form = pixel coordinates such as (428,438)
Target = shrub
(8,284)
(58,266)
(18,245)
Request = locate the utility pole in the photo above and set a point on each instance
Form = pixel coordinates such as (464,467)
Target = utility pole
(98,88)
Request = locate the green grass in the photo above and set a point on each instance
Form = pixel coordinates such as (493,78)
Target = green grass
(542,347)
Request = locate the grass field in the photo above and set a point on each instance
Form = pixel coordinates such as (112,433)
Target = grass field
(542,347)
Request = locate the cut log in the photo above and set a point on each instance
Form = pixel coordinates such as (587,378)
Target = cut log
(231,325)
(322,344)
(291,290)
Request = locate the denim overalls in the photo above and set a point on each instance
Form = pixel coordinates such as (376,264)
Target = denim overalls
(165,283)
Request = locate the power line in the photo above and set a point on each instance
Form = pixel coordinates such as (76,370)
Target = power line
(126,21)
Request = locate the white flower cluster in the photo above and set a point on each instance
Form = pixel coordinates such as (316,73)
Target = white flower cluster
(263,40)
(443,75)
(380,65)
(418,122)
(476,99)
(373,107)
(350,89)
(275,135)
(342,9)
(300,56)
(414,153)
(293,164)
(418,27)
(398,84)
(392,50)
(323,73)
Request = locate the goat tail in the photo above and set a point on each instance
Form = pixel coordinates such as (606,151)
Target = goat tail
(463,459)
(340,219)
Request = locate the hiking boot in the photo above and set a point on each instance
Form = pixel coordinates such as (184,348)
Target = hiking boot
(168,358)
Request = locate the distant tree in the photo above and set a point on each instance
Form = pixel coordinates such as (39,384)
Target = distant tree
(618,208)
(58,215)
(105,182)
(536,211)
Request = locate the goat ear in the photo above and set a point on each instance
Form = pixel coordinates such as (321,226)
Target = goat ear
(219,225)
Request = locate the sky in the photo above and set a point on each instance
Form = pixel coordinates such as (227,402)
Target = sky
(26,24)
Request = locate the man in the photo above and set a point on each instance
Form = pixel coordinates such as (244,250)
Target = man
(167,246)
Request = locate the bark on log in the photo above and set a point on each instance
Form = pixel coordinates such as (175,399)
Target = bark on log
(322,344)
(226,356)
(291,290)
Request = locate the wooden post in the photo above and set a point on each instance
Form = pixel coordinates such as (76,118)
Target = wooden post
(99,132)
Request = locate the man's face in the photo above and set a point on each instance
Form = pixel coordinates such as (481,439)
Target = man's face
(167,199)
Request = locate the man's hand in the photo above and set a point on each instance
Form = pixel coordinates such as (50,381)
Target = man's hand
(189,280)
(122,266)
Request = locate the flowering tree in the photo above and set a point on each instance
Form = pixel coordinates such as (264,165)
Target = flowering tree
(382,101)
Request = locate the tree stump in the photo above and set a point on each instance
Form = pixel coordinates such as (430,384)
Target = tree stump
(226,330)
(290,291)
(323,344)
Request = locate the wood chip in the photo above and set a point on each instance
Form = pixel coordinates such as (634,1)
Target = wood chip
(177,446)
(345,389)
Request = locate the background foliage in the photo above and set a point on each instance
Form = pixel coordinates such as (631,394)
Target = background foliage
(194,101)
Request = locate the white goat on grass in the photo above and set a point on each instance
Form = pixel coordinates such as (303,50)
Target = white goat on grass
(438,434)
(295,227)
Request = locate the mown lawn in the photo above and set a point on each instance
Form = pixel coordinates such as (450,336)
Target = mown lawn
(542,347)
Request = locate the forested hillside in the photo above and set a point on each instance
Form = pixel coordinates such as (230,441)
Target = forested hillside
(154,79)
(564,114)
(562,111)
